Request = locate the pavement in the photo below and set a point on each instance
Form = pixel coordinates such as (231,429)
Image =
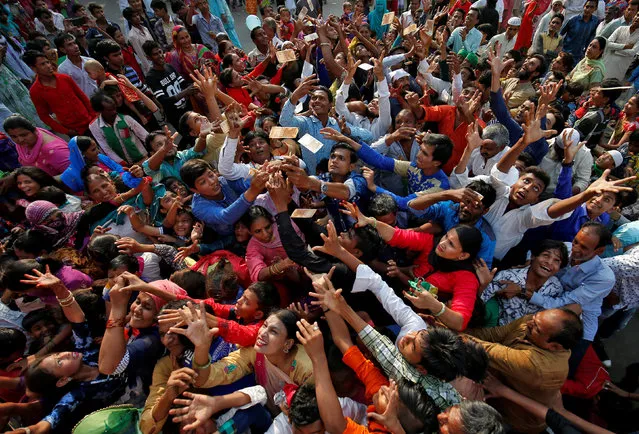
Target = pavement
(621,347)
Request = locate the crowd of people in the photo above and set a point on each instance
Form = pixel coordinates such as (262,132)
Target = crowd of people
(418,216)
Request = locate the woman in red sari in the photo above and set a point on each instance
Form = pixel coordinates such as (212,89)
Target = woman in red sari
(186,57)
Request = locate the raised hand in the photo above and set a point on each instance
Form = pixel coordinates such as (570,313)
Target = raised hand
(206,80)
(331,242)
(351,68)
(352,210)
(343,126)
(390,417)
(42,280)
(252,86)
(369,176)
(128,246)
(186,251)
(423,300)
(602,184)
(549,92)
(195,411)
(180,380)
(311,338)
(495,62)
(306,86)
(570,147)
(326,295)
(532,126)
(484,274)
(197,329)
(472,136)
(278,191)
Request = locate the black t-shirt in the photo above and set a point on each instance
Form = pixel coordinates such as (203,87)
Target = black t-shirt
(165,85)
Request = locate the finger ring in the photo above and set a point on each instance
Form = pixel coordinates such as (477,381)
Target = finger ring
(315,328)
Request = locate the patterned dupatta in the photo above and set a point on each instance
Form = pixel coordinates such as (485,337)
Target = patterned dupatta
(127,138)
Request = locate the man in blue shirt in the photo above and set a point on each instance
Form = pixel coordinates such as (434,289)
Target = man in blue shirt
(450,208)
(340,183)
(586,281)
(580,30)
(321,101)
(217,202)
(466,37)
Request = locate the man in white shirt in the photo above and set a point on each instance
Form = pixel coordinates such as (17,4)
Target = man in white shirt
(621,50)
(409,17)
(494,144)
(73,65)
(624,20)
(138,35)
(506,39)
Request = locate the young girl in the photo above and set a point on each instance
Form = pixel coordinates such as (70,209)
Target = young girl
(85,152)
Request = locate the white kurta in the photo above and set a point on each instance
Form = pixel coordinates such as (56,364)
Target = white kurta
(616,58)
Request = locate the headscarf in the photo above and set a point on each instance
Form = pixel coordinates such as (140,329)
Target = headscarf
(28,157)
(72,176)
(38,211)
(185,61)
(166,286)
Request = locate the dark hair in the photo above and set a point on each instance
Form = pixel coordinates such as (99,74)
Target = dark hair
(326,90)
(419,405)
(527,159)
(304,409)
(37,44)
(567,59)
(158,4)
(149,46)
(268,298)
(62,38)
(486,190)
(41,381)
(179,304)
(18,121)
(191,281)
(255,134)
(634,137)
(545,245)
(626,198)
(253,213)
(470,239)
(35,316)
(488,29)
(485,79)
(192,170)
(540,174)
(476,366)
(107,46)
(222,283)
(570,331)
(128,13)
(11,341)
(443,354)
(368,241)
(98,99)
(93,6)
(343,145)
(227,61)
(38,175)
(558,15)
(76,7)
(226,77)
(176,5)
(222,47)
(125,261)
(604,234)
(443,147)
(51,194)
(111,30)
(382,204)
(14,272)
(254,32)
(40,12)
(480,418)
(102,249)
(612,95)
(289,319)
(463,12)
(151,136)
(94,310)
(33,242)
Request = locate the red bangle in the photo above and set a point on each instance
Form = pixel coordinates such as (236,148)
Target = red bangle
(113,323)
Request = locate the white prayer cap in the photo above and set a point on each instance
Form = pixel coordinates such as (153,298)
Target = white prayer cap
(397,74)
(514,21)
(617,157)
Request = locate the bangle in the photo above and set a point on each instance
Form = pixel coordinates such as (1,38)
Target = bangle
(374,223)
(66,299)
(441,312)
(325,43)
(200,367)
(113,323)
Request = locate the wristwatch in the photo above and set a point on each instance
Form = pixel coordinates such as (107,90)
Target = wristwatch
(323,187)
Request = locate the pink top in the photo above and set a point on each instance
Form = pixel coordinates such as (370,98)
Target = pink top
(260,255)
(73,279)
(50,153)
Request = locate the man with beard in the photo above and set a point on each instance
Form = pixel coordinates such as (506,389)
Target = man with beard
(494,144)
(467,205)
(517,90)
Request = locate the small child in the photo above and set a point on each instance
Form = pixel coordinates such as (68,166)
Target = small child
(348,12)
(47,335)
(287,28)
